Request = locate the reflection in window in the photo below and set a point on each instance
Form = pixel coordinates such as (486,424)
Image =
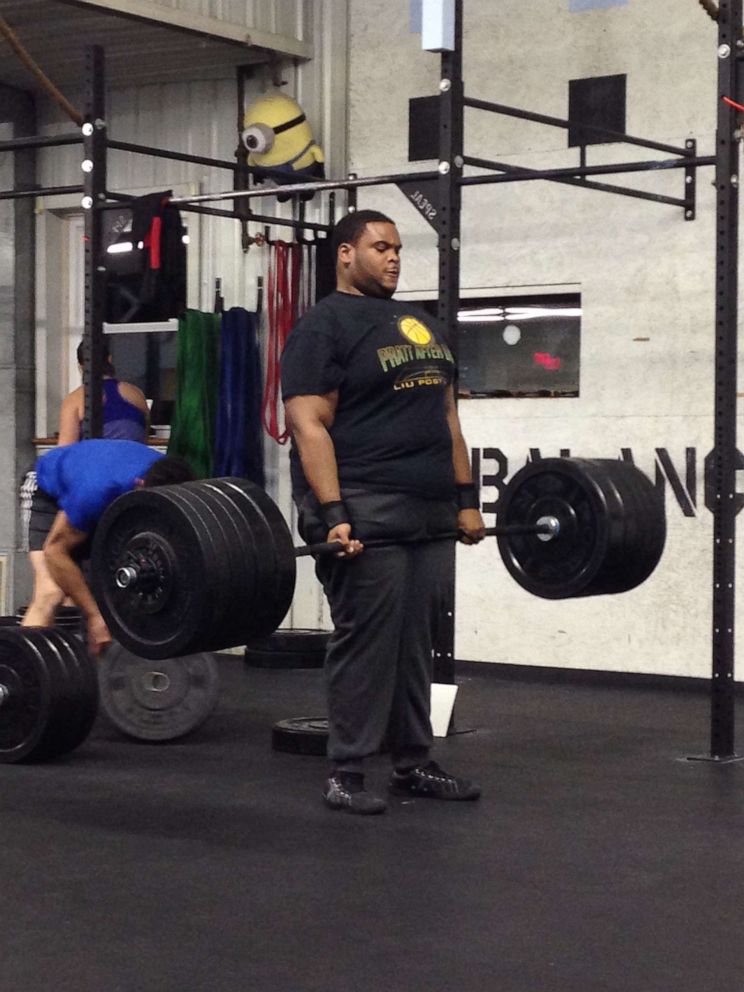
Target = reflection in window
(519,346)
(148,359)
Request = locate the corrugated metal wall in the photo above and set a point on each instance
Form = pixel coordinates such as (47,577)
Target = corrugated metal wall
(280,16)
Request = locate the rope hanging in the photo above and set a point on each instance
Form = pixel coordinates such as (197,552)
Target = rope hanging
(12,38)
(710,7)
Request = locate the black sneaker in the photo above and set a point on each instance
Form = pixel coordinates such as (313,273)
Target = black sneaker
(429,781)
(345,790)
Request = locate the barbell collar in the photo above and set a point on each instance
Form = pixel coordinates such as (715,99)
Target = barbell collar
(126,576)
(4,694)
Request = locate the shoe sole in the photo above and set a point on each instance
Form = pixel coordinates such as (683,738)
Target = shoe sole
(356,812)
(432,795)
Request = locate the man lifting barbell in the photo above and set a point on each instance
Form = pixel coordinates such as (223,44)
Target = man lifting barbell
(378,453)
(76,483)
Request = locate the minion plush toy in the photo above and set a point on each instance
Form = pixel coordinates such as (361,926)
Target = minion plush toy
(280,141)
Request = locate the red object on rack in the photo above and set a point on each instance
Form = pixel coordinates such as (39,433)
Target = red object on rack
(286,304)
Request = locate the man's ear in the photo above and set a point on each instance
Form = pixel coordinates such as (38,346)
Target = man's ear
(139,483)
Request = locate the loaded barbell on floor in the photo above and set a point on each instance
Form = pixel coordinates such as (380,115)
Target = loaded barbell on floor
(202,566)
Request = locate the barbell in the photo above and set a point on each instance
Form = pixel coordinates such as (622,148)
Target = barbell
(200,566)
(203,566)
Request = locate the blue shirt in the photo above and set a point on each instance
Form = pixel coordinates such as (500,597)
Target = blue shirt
(86,476)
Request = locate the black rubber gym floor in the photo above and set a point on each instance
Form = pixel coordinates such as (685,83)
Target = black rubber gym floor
(597,860)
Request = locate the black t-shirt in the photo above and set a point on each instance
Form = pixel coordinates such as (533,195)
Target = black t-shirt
(391,367)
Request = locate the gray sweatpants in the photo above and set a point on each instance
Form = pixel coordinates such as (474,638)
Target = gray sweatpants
(384,605)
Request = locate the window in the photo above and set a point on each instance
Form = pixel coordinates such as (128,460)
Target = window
(519,346)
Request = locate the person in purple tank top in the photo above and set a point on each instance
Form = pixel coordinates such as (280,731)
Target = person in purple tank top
(125,413)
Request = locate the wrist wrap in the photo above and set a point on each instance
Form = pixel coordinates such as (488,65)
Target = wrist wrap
(334,513)
(467,496)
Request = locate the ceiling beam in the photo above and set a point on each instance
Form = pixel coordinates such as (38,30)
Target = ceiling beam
(198,24)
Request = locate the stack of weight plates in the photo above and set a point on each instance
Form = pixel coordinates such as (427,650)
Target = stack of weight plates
(296,648)
(68,617)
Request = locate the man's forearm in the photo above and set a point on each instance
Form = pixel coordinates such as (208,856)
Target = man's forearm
(319,465)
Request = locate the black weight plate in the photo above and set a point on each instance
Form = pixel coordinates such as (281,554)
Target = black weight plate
(639,530)
(34,712)
(74,709)
(83,672)
(567,564)
(264,544)
(275,554)
(258,658)
(243,586)
(157,700)
(216,555)
(301,735)
(606,511)
(297,640)
(159,622)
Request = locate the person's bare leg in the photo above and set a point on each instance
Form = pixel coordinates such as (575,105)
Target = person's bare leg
(47,595)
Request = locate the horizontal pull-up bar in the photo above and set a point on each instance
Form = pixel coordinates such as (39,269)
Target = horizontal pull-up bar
(591,170)
(215,163)
(21,194)
(122,200)
(403,177)
(128,146)
(39,141)
(528,115)
(484,163)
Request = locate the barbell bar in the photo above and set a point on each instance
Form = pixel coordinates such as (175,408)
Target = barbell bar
(546,527)
(145,571)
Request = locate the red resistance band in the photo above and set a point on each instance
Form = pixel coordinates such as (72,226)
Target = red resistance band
(285,305)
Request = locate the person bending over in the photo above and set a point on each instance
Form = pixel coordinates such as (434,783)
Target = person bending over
(75,485)
(125,417)
(378,453)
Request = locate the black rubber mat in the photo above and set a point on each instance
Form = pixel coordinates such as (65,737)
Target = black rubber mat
(597,859)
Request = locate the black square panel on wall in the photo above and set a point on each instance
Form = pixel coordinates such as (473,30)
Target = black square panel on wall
(598,100)
(423,128)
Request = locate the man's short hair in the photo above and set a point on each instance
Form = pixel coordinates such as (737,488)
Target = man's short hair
(351,227)
(168,471)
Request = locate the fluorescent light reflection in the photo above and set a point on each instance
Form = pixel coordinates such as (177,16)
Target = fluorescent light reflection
(493,315)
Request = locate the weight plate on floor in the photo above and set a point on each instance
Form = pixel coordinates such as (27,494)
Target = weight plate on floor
(83,675)
(157,700)
(301,735)
(38,699)
(259,658)
(298,640)
(611,527)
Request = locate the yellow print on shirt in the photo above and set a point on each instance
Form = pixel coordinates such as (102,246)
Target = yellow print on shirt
(421,377)
(414,331)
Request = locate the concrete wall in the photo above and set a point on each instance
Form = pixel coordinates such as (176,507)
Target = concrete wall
(17,118)
(645,275)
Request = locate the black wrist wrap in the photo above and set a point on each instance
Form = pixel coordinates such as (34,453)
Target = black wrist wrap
(334,513)
(467,496)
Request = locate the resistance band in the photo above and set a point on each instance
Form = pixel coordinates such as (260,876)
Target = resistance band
(192,428)
(288,298)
